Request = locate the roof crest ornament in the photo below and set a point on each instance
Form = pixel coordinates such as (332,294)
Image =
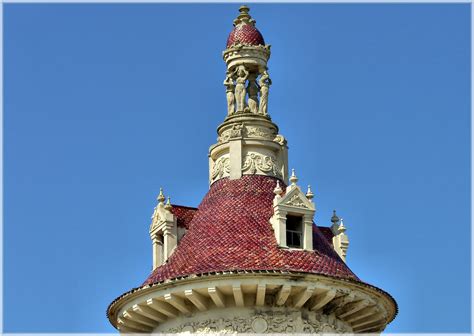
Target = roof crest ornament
(309,193)
(334,218)
(161,197)
(168,204)
(293,178)
(278,190)
(244,17)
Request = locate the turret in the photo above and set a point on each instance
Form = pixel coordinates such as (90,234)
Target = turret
(249,258)
(248,141)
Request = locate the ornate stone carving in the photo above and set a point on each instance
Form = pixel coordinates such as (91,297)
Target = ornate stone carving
(265,83)
(265,322)
(230,87)
(236,131)
(280,139)
(259,132)
(259,325)
(254,162)
(296,201)
(247,131)
(221,168)
(225,136)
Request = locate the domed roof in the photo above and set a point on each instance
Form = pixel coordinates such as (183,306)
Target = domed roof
(231,231)
(245,34)
(244,31)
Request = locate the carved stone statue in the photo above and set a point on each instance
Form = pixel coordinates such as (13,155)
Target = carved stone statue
(252,90)
(265,83)
(230,87)
(242,75)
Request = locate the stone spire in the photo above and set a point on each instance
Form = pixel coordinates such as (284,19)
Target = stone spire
(248,141)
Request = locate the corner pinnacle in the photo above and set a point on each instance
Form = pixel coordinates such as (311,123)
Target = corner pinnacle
(161,197)
(334,218)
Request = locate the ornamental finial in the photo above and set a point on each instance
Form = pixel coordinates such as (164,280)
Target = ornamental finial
(293,178)
(334,218)
(278,191)
(161,197)
(341,227)
(309,193)
(244,16)
(168,204)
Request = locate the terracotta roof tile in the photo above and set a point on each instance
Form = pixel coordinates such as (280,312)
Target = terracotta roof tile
(327,233)
(245,34)
(184,214)
(231,231)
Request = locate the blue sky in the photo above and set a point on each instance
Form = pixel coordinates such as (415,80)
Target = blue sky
(103,104)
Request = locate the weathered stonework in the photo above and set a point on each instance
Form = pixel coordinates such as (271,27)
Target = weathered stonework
(256,320)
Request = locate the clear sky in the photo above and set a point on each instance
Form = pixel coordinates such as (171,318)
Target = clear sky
(106,103)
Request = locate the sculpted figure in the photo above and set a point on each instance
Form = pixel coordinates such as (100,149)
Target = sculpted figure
(252,90)
(242,75)
(265,83)
(229,91)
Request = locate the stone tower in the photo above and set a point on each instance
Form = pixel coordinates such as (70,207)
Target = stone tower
(249,259)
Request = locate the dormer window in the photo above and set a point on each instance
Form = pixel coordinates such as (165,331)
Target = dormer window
(294,231)
(163,231)
(293,214)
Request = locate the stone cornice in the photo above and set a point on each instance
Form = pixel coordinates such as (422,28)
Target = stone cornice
(384,313)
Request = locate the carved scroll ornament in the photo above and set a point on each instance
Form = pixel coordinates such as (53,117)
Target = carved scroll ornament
(254,162)
(221,168)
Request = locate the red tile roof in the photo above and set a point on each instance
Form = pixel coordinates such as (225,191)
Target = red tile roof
(231,231)
(327,233)
(184,215)
(245,34)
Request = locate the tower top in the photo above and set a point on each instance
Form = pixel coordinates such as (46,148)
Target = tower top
(244,32)
(244,16)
